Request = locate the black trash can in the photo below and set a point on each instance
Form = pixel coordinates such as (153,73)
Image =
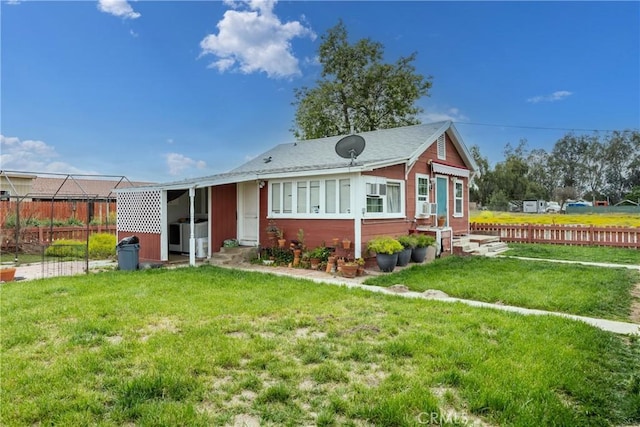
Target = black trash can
(128,253)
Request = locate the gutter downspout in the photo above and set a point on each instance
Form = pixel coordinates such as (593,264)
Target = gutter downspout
(192,235)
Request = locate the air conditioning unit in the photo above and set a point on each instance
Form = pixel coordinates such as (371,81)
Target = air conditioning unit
(428,209)
(376,189)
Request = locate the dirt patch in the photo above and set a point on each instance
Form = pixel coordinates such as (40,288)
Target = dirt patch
(245,420)
(161,325)
(635,303)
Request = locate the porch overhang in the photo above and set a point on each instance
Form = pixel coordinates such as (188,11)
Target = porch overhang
(449,170)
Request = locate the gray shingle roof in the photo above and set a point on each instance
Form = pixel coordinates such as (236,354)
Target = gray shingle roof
(386,145)
(383,147)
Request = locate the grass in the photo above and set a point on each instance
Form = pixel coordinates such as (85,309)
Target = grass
(575,289)
(597,219)
(576,253)
(209,346)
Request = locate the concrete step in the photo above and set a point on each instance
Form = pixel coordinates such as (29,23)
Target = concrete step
(234,255)
(496,246)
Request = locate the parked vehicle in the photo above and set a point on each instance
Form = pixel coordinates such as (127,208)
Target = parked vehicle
(553,207)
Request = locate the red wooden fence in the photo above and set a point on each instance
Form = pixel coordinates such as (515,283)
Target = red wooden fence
(48,234)
(626,237)
(62,210)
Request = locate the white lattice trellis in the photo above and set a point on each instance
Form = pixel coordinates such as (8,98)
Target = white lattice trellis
(139,212)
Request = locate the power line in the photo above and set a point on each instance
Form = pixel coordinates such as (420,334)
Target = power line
(541,127)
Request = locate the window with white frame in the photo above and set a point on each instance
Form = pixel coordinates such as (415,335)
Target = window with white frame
(383,196)
(310,197)
(442,147)
(458,198)
(422,194)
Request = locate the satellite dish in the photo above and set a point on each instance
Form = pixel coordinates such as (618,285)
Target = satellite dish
(350,147)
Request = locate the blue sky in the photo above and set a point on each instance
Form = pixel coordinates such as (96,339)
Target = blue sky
(161,91)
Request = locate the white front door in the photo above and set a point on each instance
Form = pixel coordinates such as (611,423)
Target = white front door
(248,213)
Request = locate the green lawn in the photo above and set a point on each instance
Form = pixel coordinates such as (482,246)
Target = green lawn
(574,289)
(209,346)
(576,253)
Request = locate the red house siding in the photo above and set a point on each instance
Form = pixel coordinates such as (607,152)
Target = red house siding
(224,221)
(149,245)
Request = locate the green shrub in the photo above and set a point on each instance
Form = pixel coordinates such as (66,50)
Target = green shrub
(423,240)
(384,245)
(407,241)
(65,248)
(102,245)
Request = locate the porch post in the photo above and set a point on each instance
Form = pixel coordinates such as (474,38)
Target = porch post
(192,235)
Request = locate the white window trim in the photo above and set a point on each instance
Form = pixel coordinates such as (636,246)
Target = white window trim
(369,179)
(294,202)
(419,213)
(455,199)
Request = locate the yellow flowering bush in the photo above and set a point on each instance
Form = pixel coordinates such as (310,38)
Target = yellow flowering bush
(602,220)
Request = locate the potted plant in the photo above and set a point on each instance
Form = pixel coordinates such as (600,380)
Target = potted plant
(350,269)
(408,243)
(346,243)
(281,239)
(335,241)
(386,249)
(442,220)
(422,243)
(272,232)
(360,262)
(318,255)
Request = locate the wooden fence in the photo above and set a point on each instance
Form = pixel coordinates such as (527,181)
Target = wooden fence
(103,212)
(626,237)
(43,235)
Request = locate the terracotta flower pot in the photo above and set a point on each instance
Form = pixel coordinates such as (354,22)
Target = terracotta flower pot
(7,274)
(349,270)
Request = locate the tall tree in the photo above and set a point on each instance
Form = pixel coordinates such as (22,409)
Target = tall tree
(566,161)
(357,91)
(622,152)
(482,183)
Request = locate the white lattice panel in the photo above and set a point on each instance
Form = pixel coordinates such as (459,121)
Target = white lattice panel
(139,212)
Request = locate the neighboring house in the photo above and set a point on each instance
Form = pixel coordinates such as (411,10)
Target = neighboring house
(404,178)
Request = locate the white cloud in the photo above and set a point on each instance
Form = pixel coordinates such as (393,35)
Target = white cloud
(120,8)
(555,96)
(32,156)
(452,114)
(251,39)
(178,163)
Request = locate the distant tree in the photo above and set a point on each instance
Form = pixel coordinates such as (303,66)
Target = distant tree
(634,194)
(541,179)
(594,165)
(566,161)
(357,91)
(622,154)
(482,184)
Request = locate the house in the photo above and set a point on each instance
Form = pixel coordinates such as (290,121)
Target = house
(403,180)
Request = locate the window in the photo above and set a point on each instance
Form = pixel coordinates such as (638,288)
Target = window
(442,147)
(303,197)
(345,196)
(384,196)
(458,198)
(394,198)
(330,196)
(422,194)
